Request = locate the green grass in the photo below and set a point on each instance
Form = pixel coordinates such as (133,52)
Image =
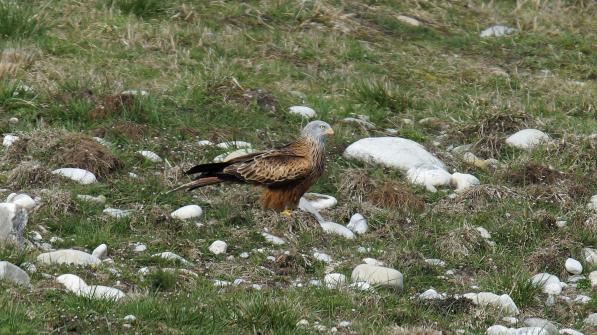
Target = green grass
(224,71)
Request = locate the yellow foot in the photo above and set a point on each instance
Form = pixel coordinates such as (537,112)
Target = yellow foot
(286,212)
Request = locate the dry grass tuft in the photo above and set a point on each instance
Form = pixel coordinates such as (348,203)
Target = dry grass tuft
(60,202)
(64,149)
(533,173)
(387,194)
(462,242)
(127,129)
(414,331)
(549,258)
(30,173)
(11,60)
(112,104)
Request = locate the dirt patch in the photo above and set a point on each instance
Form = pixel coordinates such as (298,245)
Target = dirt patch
(387,194)
(462,242)
(30,173)
(64,149)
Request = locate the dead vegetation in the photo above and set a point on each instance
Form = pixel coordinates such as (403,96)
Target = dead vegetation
(549,256)
(230,90)
(387,194)
(65,149)
(30,173)
(462,242)
(113,104)
(533,173)
(12,60)
(414,331)
(124,129)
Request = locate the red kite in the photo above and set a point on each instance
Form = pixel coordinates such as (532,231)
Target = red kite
(286,173)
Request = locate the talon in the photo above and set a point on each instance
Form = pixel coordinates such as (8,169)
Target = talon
(286,212)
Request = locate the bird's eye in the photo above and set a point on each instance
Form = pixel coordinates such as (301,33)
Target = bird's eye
(322,127)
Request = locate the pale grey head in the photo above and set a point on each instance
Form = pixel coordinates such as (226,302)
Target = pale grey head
(317,130)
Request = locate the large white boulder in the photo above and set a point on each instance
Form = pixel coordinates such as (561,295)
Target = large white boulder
(11,272)
(187,212)
(68,256)
(377,275)
(79,175)
(527,138)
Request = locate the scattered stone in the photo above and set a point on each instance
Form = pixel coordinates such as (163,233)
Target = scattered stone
(432,294)
(172,257)
(101,251)
(377,275)
(435,262)
(561,223)
(35,236)
(100,199)
(302,323)
(13,120)
(187,212)
(334,228)
(550,283)
(81,176)
(133,175)
(527,138)
(303,111)
(361,286)
(11,272)
(430,177)
(575,278)
(502,330)
(203,143)
(234,145)
(372,261)
(232,155)
(275,240)
(344,324)
(78,286)
(135,91)
(593,203)
(498,31)
(139,247)
(130,318)
(542,324)
(358,224)
(68,256)
(9,140)
(22,200)
(244,255)
(334,280)
(502,302)
(218,247)
(591,320)
(359,122)
(590,255)
(102,141)
(150,155)
(573,266)
(13,220)
(593,278)
(320,201)
(320,256)
(117,213)
(408,20)
(463,181)
(570,331)
(484,232)
(510,319)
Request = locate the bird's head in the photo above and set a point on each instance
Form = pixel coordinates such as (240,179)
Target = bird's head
(317,130)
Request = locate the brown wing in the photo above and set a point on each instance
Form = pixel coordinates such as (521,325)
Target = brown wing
(274,167)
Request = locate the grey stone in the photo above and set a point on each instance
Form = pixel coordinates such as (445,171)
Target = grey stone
(11,272)
(13,220)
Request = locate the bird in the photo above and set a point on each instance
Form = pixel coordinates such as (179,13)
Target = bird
(285,172)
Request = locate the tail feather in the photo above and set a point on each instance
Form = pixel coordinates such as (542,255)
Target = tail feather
(207,168)
(199,182)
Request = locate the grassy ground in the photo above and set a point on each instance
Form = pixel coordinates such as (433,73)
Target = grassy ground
(223,70)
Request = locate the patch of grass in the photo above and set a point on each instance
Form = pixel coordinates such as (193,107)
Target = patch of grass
(141,8)
(19,21)
(161,280)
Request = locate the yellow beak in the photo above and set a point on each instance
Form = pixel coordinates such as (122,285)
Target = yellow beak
(330,131)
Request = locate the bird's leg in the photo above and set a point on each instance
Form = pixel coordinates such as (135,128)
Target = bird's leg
(287,212)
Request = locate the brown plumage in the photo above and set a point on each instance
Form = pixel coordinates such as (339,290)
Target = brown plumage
(286,173)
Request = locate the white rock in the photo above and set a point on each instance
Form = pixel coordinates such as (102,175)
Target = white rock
(29,267)
(303,111)
(203,143)
(377,275)
(552,288)
(22,200)
(543,279)
(320,256)
(592,203)
(432,294)
(144,271)
(359,122)
(172,257)
(102,292)
(13,220)
(334,280)
(117,213)
(79,175)
(13,273)
(234,154)
(358,224)
(570,331)
(233,145)
(150,155)
(408,20)
(320,201)
(68,256)
(500,330)
(36,236)
(344,324)
(593,278)
(527,138)
(581,299)
(135,91)
(430,177)
(590,255)
(275,240)
(71,282)
(573,266)
(372,261)
(9,140)
(100,199)
(244,255)
(576,278)
(394,152)
(139,247)
(361,286)
(13,120)
(337,229)
(256,287)
(502,302)
(463,181)
(101,251)
(591,320)
(102,141)
(130,318)
(302,323)
(483,232)
(187,212)
(315,282)
(510,319)
(133,175)
(218,247)
(498,31)
(435,262)
(540,323)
